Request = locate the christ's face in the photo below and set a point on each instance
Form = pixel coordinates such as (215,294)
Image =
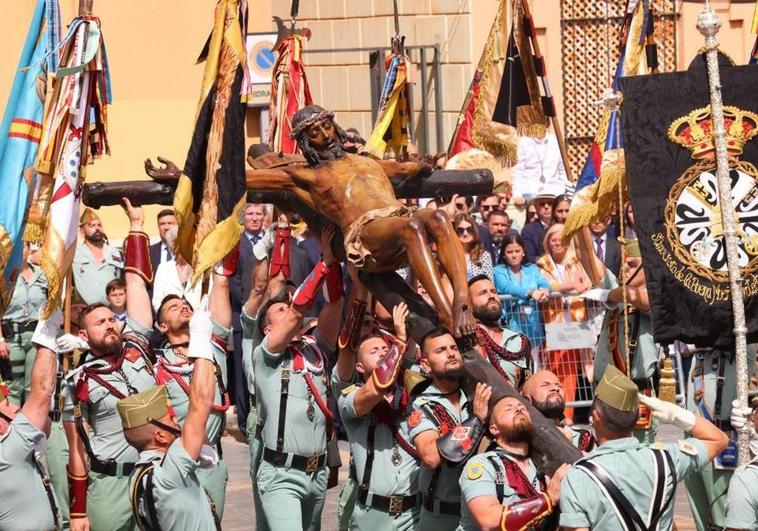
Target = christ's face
(322,135)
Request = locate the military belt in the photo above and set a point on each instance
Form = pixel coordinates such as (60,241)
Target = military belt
(393,505)
(446,508)
(305,463)
(111,468)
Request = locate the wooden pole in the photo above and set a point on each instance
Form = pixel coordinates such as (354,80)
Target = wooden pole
(549,95)
(709,24)
(85,7)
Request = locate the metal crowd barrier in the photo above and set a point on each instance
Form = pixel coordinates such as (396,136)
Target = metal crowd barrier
(564,331)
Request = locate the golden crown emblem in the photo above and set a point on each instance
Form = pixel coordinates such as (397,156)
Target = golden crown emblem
(695,131)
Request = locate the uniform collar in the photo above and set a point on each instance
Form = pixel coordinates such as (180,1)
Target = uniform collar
(625,443)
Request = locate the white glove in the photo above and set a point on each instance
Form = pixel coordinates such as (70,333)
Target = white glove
(47,329)
(70,342)
(262,249)
(669,413)
(596,294)
(201,328)
(208,457)
(739,415)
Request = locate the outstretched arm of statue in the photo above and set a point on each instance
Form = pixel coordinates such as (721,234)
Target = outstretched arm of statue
(168,174)
(405,170)
(269,180)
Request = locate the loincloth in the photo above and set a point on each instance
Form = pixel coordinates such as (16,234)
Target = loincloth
(356,252)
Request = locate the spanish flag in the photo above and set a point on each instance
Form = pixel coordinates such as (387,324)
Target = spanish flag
(504,98)
(211,191)
(20,135)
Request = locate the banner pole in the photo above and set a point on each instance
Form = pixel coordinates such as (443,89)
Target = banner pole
(709,24)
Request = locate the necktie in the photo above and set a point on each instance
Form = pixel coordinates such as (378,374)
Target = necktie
(599,251)
(169,257)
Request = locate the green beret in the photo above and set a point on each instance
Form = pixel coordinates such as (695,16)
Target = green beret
(138,410)
(617,390)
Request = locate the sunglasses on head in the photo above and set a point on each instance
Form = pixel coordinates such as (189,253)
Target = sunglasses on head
(460,231)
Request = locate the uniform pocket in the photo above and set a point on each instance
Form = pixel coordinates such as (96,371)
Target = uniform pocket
(266,477)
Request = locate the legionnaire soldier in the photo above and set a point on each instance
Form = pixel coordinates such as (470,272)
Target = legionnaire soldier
(291,387)
(501,488)
(545,391)
(115,366)
(611,345)
(18,323)
(174,370)
(446,429)
(165,491)
(375,415)
(95,263)
(742,499)
(711,391)
(506,350)
(27,499)
(625,484)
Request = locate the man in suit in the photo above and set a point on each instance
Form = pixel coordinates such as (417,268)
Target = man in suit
(161,251)
(606,247)
(534,232)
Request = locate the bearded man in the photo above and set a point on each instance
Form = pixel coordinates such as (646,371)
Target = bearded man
(501,489)
(381,234)
(545,392)
(116,365)
(506,350)
(95,263)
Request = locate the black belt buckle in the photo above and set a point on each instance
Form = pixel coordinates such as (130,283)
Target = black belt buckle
(395,505)
(311,463)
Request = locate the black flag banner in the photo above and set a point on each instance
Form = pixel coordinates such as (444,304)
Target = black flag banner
(671,171)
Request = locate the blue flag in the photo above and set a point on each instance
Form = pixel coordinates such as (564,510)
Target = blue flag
(20,133)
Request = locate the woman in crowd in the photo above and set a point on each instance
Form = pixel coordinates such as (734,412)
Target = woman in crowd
(630,228)
(526,287)
(562,269)
(531,214)
(560,209)
(478,261)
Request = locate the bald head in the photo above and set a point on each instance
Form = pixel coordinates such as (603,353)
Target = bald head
(545,392)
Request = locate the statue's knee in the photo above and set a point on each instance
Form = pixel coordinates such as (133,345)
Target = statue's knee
(413,229)
(439,219)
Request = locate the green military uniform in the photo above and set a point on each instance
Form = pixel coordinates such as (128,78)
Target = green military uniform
(19,321)
(485,475)
(645,475)
(57,460)
(707,489)
(292,476)
(90,278)
(107,494)
(387,474)
(251,337)
(517,369)
(176,376)
(27,503)
(644,358)
(165,482)
(439,487)
(582,438)
(742,500)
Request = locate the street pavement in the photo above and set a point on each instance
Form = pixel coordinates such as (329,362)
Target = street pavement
(239,511)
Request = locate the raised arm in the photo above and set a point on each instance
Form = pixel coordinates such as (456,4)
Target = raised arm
(203,382)
(138,269)
(404,170)
(37,406)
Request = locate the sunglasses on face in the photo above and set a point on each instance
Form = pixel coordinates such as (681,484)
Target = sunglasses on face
(489,207)
(460,231)
(460,206)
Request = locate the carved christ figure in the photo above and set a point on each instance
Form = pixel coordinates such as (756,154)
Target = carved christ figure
(381,234)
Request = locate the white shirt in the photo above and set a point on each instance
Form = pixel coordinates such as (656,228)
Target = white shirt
(167,283)
(539,168)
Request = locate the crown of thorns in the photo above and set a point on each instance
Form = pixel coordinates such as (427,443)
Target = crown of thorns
(305,124)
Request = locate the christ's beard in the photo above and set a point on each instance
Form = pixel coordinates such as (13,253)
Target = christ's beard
(334,152)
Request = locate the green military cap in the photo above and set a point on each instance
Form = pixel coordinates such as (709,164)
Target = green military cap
(617,390)
(87,215)
(632,248)
(138,410)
